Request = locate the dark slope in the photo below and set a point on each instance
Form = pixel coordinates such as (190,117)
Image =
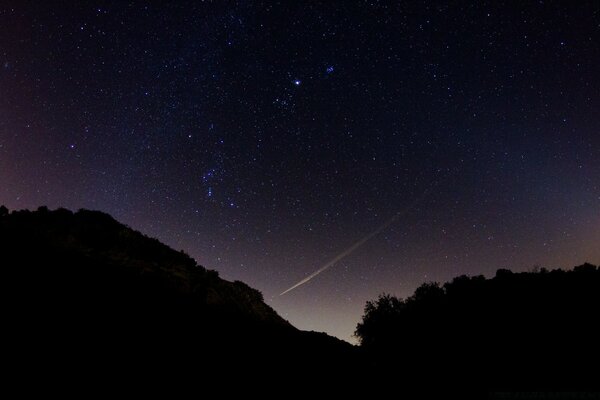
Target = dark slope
(86,299)
(85,290)
(517,331)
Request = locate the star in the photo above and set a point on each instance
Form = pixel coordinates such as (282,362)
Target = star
(297,82)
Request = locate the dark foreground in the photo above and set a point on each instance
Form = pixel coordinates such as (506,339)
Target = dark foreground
(90,303)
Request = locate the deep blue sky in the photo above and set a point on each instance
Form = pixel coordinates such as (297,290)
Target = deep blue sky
(266,138)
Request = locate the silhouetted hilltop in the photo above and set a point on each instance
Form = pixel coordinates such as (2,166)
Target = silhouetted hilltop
(60,240)
(534,330)
(83,287)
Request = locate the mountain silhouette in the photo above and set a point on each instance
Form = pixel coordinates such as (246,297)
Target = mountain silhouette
(84,292)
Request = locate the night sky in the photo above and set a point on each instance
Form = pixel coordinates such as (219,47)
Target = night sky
(264,139)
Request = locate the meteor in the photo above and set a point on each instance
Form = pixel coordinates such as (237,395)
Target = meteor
(356,245)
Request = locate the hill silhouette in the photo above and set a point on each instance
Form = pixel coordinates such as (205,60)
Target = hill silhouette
(88,299)
(516,331)
(87,291)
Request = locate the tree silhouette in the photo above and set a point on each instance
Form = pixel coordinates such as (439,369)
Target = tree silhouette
(516,328)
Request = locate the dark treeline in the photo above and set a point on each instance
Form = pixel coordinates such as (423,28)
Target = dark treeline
(534,330)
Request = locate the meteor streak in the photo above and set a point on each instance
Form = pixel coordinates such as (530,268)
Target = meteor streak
(356,245)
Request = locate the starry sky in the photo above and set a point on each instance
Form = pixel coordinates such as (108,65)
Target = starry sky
(265,138)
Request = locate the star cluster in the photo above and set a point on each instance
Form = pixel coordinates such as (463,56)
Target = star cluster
(263,138)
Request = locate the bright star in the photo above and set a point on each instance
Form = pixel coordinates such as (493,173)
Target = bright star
(297,82)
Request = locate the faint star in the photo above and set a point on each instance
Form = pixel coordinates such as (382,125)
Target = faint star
(329,69)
